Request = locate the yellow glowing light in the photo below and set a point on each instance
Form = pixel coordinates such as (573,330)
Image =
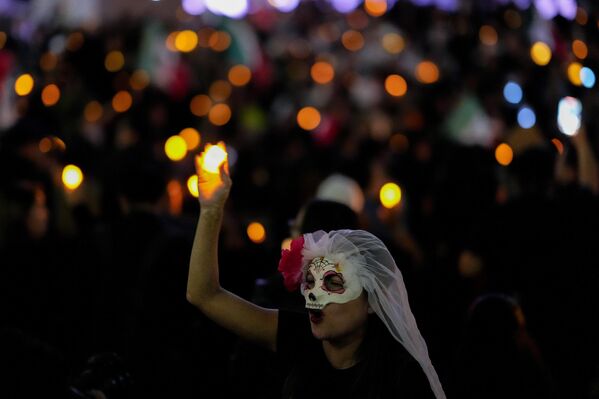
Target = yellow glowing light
(427,72)
(50,95)
(122,101)
(256,232)
(213,157)
(393,43)
(139,80)
(24,84)
(72,177)
(3,38)
(219,114)
(558,145)
(220,90)
(574,73)
(48,61)
(239,75)
(487,35)
(74,41)
(45,145)
(580,49)
(396,85)
(308,118)
(219,41)
(170,41)
(114,61)
(191,137)
(186,41)
(390,195)
(540,53)
(322,72)
(504,154)
(192,186)
(352,40)
(175,148)
(93,111)
(200,105)
(375,8)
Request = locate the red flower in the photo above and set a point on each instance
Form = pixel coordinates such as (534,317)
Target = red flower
(290,264)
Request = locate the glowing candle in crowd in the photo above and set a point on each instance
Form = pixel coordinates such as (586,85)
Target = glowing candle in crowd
(390,195)
(72,177)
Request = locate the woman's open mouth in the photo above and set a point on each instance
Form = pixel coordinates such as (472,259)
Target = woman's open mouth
(316,316)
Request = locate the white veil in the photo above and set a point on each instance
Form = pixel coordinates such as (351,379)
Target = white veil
(382,280)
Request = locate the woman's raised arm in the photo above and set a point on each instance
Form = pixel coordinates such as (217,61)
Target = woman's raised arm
(243,318)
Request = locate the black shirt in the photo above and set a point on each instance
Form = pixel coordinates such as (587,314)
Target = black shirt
(312,376)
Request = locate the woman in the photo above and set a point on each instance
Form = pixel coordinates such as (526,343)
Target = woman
(367,342)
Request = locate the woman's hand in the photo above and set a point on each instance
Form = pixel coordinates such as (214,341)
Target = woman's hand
(213,187)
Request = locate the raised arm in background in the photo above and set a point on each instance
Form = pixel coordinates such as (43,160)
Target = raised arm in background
(243,318)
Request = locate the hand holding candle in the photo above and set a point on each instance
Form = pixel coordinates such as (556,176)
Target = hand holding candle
(214,183)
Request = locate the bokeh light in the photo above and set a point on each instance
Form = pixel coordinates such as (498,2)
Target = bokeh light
(50,95)
(192,138)
(175,148)
(345,6)
(569,111)
(256,232)
(139,80)
(322,72)
(390,195)
(74,41)
(504,154)
(169,42)
(574,73)
(220,90)
(72,177)
(122,101)
(512,92)
(375,8)
(229,8)
(580,50)
(284,5)
(559,146)
(24,84)
(427,72)
(193,7)
(239,75)
(200,105)
(540,53)
(352,40)
(192,186)
(114,61)
(219,114)
(45,145)
(587,77)
(219,41)
(393,43)
(93,111)
(308,118)
(48,61)
(526,117)
(396,85)
(487,35)
(214,156)
(3,38)
(186,41)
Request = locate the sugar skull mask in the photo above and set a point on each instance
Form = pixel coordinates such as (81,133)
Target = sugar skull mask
(327,281)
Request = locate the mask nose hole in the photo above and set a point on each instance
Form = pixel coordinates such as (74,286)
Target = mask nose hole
(312,297)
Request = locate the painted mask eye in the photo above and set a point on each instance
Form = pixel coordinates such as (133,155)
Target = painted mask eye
(309,283)
(334,283)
